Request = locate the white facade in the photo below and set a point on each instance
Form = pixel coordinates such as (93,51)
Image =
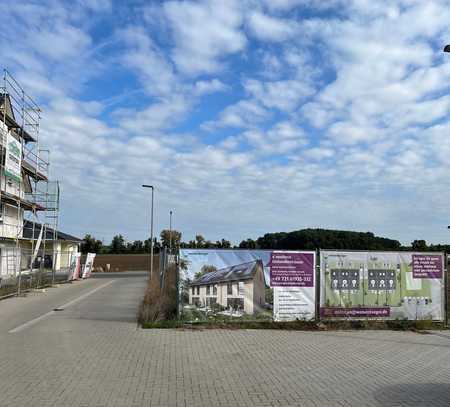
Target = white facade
(21,169)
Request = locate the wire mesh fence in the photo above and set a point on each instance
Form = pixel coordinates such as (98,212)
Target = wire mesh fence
(22,270)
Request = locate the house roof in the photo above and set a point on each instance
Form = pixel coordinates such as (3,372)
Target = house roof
(243,271)
(28,233)
(10,120)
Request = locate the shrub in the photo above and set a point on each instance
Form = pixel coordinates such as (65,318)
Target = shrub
(159,303)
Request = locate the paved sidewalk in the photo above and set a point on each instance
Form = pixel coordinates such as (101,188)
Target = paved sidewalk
(93,354)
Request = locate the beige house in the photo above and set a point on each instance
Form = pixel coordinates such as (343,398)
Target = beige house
(240,287)
(58,251)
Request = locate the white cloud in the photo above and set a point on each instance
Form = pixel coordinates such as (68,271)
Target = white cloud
(352,133)
(283,95)
(157,116)
(347,110)
(286,5)
(267,28)
(211,86)
(319,153)
(143,56)
(282,4)
(66,41)
(204,33)
(244,113)
(283,138)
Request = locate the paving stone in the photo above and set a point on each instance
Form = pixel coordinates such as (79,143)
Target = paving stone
(70,359)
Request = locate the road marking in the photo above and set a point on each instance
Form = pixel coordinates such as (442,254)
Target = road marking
(68,304)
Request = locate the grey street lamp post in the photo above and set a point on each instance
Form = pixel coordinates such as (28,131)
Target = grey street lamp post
(151,231)
(170,232)
(447,49)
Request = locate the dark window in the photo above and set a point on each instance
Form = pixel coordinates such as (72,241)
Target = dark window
(230,289)
(345,279)
(193,290)
(214,290)
(210,301)
(198,290)
(208,290)
(235,303)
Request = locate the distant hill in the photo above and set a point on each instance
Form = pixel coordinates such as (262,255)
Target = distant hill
(322,239)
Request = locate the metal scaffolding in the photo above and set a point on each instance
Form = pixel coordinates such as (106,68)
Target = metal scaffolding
(27,192)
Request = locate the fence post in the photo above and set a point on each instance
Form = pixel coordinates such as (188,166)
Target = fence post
(318,284)
(19,284)
(446,299)
(177,285)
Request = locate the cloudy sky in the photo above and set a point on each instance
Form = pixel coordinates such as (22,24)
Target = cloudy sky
(248,116)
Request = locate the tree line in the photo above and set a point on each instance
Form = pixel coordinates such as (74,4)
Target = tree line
(305,239)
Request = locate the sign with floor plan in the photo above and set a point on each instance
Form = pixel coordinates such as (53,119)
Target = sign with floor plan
(270,284)
(13,160)
(386,285)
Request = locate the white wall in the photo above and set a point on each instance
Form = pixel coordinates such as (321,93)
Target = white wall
(12,221)
(9,259)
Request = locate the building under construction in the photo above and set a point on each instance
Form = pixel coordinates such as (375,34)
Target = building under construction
(29,200)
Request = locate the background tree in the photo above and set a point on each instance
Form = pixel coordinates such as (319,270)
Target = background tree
(136,247)
(156,245)
(223,244)
(326,239)
(199,241)
(91,245)
(207,268)
(117,245)
(165,238)
(419,245)
(248,244)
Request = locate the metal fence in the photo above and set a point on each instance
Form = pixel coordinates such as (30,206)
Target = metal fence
(21,270)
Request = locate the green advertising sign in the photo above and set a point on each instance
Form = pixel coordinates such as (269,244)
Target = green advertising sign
(13,159)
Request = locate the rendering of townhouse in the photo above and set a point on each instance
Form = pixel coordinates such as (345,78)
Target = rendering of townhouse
(239,288)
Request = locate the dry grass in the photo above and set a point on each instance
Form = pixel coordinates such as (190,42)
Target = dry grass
(159,304)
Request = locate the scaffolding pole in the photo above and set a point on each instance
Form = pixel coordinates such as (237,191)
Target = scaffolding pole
(31,193)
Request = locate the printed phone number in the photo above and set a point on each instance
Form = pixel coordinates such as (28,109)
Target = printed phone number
(291,278)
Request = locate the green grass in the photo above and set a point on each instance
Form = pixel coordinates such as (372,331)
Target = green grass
(397,325)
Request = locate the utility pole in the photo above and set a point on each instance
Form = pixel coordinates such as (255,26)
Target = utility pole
(151,230)
(170,232)
(446,49)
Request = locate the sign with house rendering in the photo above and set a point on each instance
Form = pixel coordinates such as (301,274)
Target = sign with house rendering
(13,160)
(385,285)
(238,283)
(88,266)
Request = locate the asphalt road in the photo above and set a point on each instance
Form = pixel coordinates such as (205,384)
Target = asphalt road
(116,297)
(78,345)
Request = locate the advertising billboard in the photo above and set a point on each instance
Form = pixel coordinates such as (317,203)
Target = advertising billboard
(88,266)
(385,285)
(240,283)
(13,160)
(74,267)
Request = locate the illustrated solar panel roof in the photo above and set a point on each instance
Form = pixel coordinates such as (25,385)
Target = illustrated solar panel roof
(242,271)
